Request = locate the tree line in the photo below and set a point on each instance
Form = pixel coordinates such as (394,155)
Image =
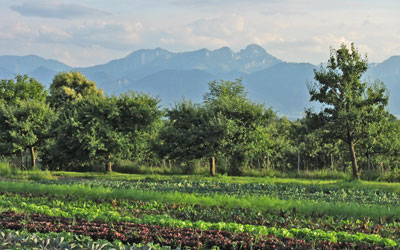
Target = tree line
(74,126)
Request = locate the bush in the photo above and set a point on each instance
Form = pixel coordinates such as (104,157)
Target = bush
(263,172)
(7,171)
(130,167)
(37,175)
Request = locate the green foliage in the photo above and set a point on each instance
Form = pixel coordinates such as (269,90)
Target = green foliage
(241,122)
(25,119)
(352,106)
(10,239)
(38,175)
(22,89)
(24,125)
(7,171)
(310,210)
(100,212)
(283,192)
(70,86)
(96,128)
(263,203)
(189,134)
(228,125)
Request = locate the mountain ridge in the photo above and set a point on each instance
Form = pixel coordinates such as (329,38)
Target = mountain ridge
(171,75)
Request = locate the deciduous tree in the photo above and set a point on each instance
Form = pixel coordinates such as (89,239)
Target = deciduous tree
(69,86)
(23,126)
(350,105)
(96,128)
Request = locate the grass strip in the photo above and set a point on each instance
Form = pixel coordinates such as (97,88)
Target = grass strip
(283,192)
(263,203)
(338,183)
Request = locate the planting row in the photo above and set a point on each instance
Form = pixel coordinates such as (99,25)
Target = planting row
(283,192)
(290,219)
(100,212)
(130,233)
(261,203)
(11,239)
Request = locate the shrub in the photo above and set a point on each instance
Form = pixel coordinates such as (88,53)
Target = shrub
(6,170)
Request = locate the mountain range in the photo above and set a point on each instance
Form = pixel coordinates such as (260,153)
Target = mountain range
(172,76)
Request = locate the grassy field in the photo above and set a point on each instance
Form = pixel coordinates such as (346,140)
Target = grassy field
(47,210)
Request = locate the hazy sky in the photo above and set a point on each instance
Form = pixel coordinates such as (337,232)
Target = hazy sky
(88,32)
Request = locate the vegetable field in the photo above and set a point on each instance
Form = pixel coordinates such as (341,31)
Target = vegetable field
(197,213)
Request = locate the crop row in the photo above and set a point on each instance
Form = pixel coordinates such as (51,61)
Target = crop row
(11,239)
(92,212)
(204,213)
(262,203)
(283,192)
(175,237)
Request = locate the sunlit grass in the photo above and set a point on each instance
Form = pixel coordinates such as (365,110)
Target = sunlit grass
(263,203)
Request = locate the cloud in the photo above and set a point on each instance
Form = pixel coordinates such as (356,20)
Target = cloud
(17,31)
(268,38)
(292,30)
(208,3)
(53,9)
(106,34)
(112,35)
(218,27)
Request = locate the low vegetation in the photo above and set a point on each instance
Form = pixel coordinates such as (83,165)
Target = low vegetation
(167,212)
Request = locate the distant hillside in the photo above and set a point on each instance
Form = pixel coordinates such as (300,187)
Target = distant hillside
(175,85)
(4,73)
(171,76)
(41,69)
(389,72)
(283,86)
(222,62)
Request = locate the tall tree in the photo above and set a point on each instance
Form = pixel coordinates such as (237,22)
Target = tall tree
(96,128)
(189,133)
(224,125)
(350,105)
(23,126)
(70,86)
(24,117)
(238,119)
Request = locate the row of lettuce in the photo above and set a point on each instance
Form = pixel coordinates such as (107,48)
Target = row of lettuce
(279,227)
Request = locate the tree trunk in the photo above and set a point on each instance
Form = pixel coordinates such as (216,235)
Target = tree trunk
(109,166)
(33,157)
(298,161)
(353,158)
(212,166)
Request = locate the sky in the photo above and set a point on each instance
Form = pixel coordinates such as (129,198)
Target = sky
(90,32)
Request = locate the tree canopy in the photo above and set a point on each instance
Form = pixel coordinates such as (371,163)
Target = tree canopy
(96,128)
(23,88)
(24,125)
(351,105)
(69,86)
